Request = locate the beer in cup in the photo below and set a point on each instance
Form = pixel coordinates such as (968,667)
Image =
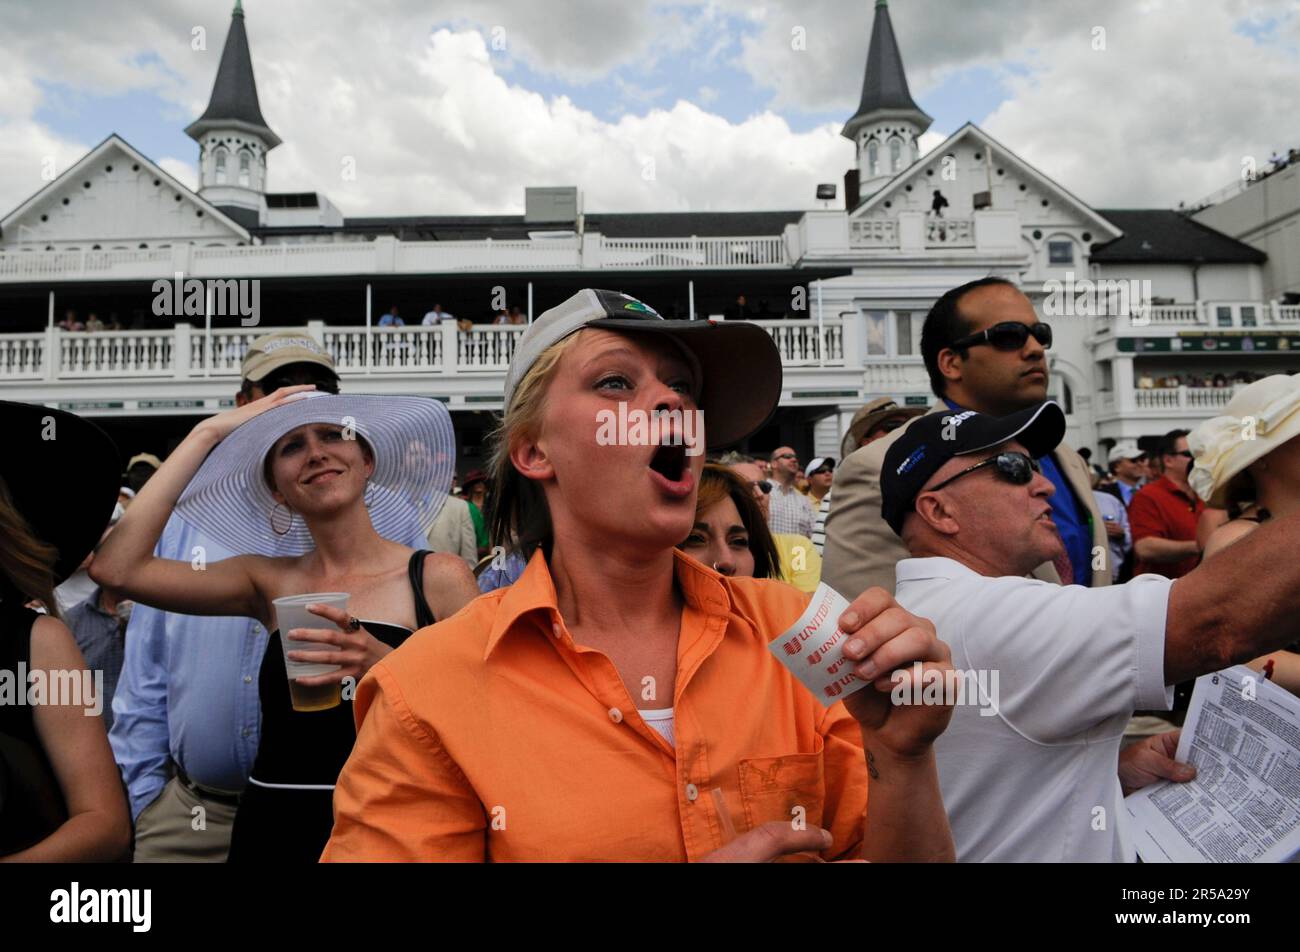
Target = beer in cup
(291,612)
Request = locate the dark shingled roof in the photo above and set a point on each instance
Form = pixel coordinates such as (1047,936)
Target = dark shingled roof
(1155,235)
(611,224)
(234,94)
(884,85)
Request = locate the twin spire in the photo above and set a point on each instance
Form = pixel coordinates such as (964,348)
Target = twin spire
(234,102)
(884,86)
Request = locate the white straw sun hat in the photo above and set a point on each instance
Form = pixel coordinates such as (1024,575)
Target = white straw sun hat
(415,456)
(1259,419)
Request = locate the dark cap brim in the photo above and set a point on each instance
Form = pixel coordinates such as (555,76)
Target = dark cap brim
(740,364)
(1038,429)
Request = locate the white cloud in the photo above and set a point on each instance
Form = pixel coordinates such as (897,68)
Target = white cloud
(437,121)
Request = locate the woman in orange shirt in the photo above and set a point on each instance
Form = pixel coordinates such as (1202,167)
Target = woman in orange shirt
(619,701)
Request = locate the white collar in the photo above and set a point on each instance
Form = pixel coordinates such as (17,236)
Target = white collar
(935,566)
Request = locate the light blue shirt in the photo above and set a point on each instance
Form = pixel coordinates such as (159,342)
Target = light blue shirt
(188,689)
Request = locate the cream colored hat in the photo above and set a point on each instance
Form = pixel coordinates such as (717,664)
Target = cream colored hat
(1259,419)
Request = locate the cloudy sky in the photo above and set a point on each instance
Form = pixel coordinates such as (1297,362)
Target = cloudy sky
(453,107)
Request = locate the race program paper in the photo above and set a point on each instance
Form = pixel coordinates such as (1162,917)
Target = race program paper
(1243,735)
(813,648)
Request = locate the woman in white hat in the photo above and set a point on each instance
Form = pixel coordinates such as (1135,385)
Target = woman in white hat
(1247,461)
(315,488)
(620,701)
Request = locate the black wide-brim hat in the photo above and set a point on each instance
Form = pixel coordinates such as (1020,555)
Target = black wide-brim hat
(63,474)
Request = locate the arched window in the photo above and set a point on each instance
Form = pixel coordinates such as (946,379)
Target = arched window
(895,155)
(873,158)
(220,165)
(244,164)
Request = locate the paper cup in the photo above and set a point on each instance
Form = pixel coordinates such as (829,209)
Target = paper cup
(291,612)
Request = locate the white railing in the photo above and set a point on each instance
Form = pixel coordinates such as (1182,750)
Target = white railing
(1243,315)
(877,233)
(387,255)
(950,232)
(20,356)
(802,344)
(552,254)
(116,354)
(488,348)
(1180,399)
(765,251)
(1286,314)
(895,375)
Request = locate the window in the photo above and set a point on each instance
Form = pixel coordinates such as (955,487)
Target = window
(244,163)
(1248,315)
(873,158)
(1223,316)
(1060,252)
(895,155)
(221,167)
(903,327)
(877,333)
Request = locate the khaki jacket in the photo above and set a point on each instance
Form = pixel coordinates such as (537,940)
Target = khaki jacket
(861,550)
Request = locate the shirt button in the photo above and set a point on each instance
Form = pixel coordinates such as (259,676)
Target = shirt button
(615,715)
(245,732)
(257,629)
(692,792)
(555,628)
(248,679)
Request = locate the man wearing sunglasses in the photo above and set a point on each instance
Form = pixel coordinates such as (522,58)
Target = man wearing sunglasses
(984,350)
(1165,512)
(1028,764)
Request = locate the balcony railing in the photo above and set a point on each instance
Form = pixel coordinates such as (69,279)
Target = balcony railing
(185,352)
(387,255)
(1201,315)
(1201,400)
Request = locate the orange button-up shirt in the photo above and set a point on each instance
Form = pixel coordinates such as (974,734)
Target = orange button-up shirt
(493,736)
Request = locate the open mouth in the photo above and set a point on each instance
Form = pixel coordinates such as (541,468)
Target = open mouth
(669,462)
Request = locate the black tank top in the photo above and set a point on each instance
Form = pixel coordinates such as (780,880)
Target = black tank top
(299,747)
(285,813)
(31,802)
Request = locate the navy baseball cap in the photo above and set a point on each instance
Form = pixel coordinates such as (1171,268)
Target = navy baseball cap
(935,438)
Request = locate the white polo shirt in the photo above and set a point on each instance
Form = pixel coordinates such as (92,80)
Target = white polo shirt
(1037,781)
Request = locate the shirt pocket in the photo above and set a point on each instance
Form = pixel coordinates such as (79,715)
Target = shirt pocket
(785,788)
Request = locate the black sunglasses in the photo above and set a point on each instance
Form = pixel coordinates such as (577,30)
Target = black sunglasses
(272,383)
(1006,335)
(1013,467)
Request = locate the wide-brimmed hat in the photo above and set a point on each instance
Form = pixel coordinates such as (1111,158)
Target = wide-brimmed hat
(414,453)
(63,476)
(1259,419)
(739,364)
(870,417)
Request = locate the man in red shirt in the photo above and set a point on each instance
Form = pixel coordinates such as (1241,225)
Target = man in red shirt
(1164,513)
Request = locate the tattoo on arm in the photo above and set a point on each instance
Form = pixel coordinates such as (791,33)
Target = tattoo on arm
(871,766)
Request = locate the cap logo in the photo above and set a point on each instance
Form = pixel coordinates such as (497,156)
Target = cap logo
(907,465)
(306,343)
(642,308)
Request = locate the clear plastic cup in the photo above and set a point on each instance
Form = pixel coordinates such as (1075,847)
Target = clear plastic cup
(291,612)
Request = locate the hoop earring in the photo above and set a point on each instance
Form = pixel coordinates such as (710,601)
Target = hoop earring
(271,519)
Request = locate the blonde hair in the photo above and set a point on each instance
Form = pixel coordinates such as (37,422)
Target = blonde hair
(26,563)
(519,517)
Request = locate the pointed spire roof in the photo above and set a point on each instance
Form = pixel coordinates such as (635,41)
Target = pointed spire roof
(234,94)
(884,87)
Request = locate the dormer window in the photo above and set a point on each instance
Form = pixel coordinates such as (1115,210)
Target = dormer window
(244,165)
(895,155)
(220,164)
(873,158)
